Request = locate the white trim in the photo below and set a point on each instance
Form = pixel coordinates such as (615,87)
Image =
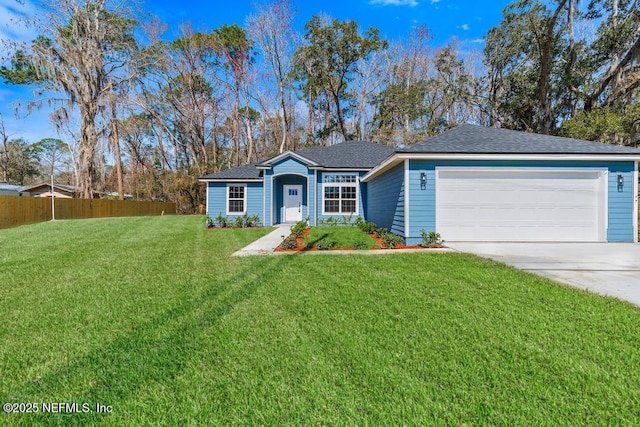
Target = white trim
(286,187)
(264,204)
(635,201)
(225,180)
(521,169)
(271,197)
(268,164)
(382,167)
(604,181)
(207,201)
(602,175)
(406,198)
(278,175)
(396,158)
(244,203)
(315,199)
(355,184)
(330,169)
(308,199)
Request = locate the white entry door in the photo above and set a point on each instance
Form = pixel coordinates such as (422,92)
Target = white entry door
(292,203)
(521,205)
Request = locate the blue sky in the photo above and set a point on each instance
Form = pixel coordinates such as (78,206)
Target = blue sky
(466,20)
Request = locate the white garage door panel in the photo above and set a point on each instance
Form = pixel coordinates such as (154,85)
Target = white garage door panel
(520,205)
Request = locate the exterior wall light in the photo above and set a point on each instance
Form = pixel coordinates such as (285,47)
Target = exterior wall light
(423,180)
(620,182)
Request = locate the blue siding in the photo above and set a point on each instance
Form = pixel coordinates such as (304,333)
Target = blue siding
(423,202)
(362,192)
(620,203)
(385,200)
(217,199)
(279,183)
(287,171)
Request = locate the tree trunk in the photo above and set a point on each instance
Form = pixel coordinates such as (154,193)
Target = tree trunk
(343,130)
(284,122)
(572,57)
(545,71)
(115,140)
(87,152)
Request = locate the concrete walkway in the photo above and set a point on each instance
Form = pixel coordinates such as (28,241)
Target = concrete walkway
(266,244)
(611,269)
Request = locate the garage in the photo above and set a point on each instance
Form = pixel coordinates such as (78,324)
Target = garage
(521,205)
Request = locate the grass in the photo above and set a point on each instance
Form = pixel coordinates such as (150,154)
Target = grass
(152,317)
(342,237)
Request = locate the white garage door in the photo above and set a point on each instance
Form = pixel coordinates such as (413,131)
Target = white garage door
(521,205)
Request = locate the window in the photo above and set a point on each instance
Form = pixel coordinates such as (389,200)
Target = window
(236,199)
(340,194)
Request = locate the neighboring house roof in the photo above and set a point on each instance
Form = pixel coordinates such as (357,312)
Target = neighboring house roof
(66,188)
(345,155)
(9,187)
(472,139)
(45,187)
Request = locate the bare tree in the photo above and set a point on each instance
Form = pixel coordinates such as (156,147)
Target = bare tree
(272,29)
(82,48)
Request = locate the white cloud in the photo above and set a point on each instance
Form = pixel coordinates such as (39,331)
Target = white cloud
(464,27)
(12,26)
(435,1)
(410,3)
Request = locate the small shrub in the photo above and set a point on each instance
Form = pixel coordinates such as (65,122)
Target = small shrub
(238,222)
(210,223)
(381,232)
(253,221)
(222,220)
(331,221)
(289,243)
(346,220)
(325,245)
(368,227)
(361,245)
(299,228)
(430,239)
(391,240)
(364,225)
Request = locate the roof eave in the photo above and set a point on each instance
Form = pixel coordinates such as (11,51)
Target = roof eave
(402,155)
(230,179)
(268,164)
(339,169)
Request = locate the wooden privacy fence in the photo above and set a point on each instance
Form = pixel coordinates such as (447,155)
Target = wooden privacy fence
(27,210)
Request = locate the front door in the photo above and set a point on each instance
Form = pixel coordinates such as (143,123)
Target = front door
(292,203)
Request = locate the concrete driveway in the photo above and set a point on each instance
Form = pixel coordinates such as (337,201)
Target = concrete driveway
(605,268)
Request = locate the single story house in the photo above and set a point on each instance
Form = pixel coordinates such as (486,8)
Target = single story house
(470,183)
(59,190)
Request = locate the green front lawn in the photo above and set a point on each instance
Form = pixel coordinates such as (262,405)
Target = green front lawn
(343,237)
(152,317)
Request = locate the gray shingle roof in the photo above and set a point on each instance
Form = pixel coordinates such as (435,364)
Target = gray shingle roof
(472,139)
(243,172)
(9,187)
(348,155)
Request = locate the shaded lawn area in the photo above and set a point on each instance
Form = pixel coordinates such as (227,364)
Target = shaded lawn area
(151,316)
